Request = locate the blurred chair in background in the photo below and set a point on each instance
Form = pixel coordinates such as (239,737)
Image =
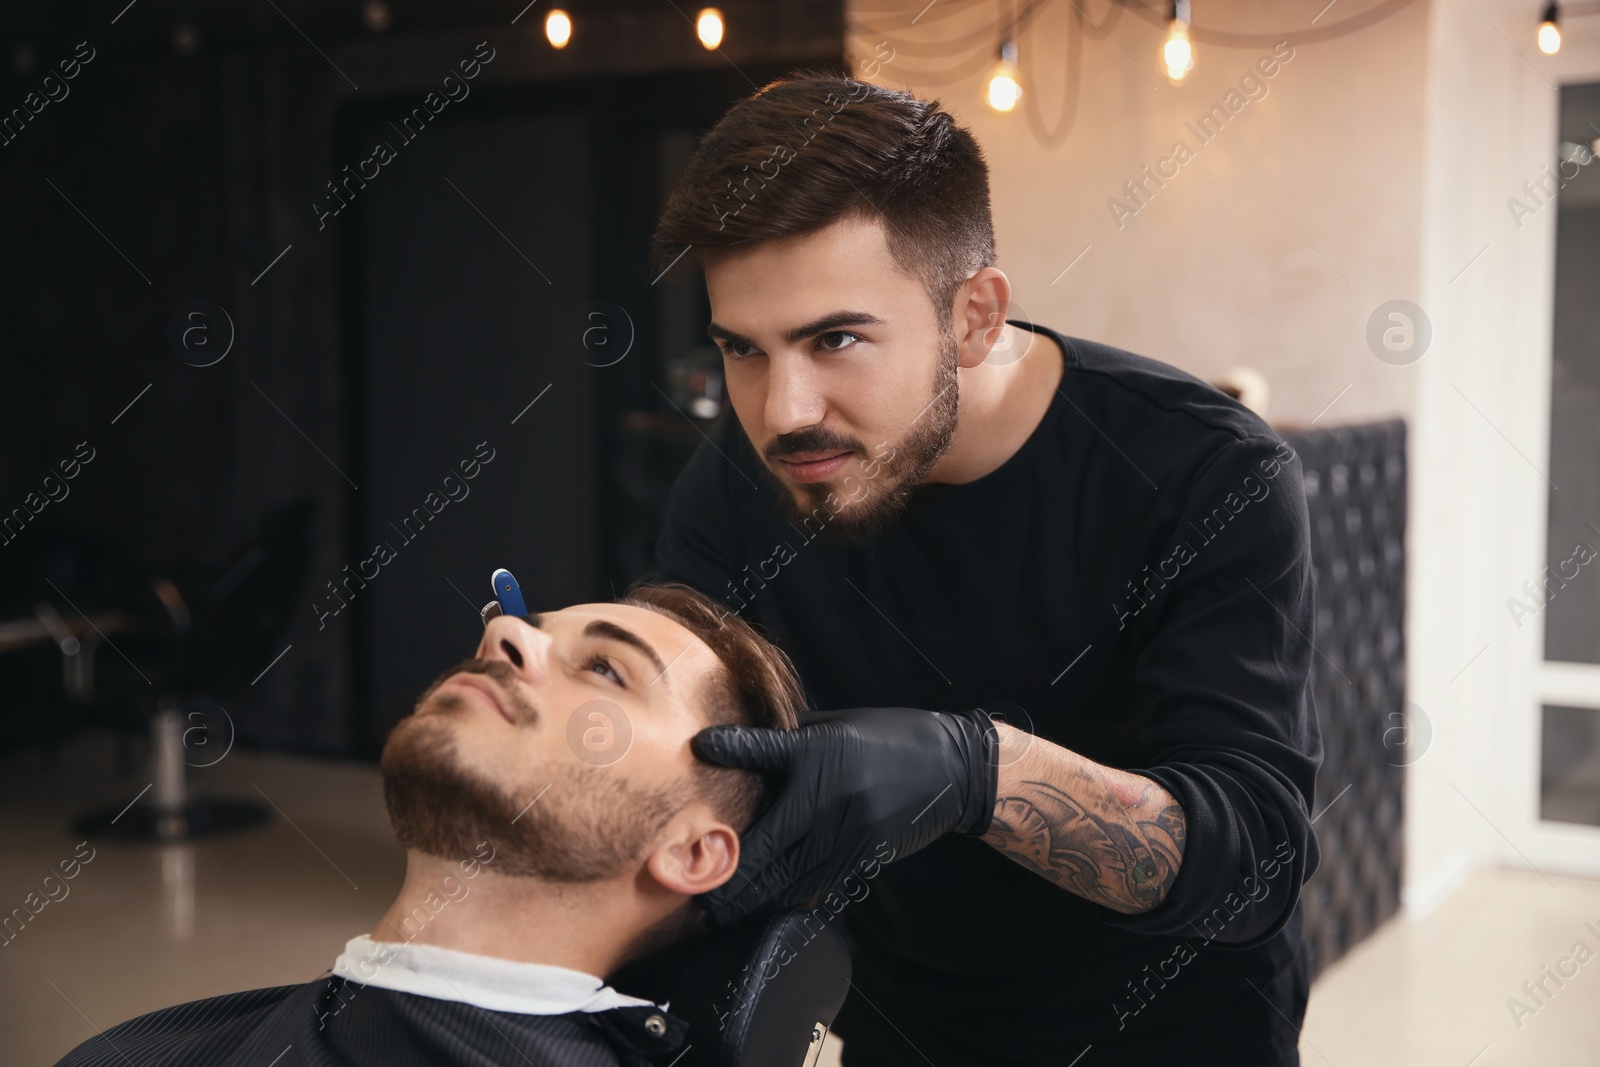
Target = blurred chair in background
(143,651)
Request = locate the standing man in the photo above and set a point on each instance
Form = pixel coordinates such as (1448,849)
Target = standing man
(1054,596)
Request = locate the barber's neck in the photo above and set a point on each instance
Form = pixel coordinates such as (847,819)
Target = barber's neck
(587,927)
(1002,401)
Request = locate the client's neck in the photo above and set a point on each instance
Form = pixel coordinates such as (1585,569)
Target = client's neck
(587,927)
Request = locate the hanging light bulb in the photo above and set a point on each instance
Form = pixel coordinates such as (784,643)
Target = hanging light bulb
(375,14)
(558,28)
(708,26)
(1550,30)
(1177,53)
(1005,85)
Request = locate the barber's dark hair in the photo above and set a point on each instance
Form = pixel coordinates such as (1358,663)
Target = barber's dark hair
(757,686)
(811,149)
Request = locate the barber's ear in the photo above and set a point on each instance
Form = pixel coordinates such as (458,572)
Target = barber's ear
(697,862)
(979,315)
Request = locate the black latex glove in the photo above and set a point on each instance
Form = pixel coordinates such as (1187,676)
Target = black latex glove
(856,784)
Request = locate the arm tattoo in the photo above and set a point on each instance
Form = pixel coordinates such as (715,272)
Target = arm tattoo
(1111,837)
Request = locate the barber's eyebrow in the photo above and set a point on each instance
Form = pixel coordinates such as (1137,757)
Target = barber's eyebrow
(834,320)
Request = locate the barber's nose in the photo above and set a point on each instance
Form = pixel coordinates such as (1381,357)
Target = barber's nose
(525,648)
(793,401)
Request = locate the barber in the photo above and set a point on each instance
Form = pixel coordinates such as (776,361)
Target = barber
(1055,598)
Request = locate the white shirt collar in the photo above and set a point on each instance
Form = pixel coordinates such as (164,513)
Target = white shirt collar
(466,977)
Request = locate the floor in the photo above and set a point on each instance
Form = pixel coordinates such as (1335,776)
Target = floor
(1443,992)
(139,928)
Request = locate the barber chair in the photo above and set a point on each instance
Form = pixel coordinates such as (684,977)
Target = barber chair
(760,993)
(176,645)
(64,594)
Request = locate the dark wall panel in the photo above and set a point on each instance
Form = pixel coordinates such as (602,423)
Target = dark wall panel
(471,261)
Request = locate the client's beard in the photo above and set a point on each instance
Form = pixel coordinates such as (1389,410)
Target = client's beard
(890,489)
(589,825)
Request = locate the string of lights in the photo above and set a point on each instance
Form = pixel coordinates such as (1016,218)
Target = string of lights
(1005,86)
(1177,50)
(1003,89)
(709,27)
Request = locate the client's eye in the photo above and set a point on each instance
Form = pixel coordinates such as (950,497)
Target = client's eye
(605,666)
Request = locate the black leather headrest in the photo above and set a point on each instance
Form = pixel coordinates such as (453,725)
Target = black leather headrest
(753,993)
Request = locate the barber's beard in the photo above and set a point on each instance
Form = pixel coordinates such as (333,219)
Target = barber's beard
(589,825)
(889,485)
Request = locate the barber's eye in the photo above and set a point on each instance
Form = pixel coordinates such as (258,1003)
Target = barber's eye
(736,349)
(848,340)
(605,667)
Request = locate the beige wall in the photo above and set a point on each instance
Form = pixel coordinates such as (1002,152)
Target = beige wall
(1208,274)
(1477,504)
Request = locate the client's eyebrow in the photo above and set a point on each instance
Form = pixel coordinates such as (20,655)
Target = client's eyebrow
(602,628)
(826,324)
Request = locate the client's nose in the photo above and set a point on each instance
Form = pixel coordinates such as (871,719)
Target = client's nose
(525,648)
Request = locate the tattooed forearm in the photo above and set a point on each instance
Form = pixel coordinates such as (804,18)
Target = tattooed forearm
(1107,835)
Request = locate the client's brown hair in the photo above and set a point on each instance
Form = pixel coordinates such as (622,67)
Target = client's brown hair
(757,686)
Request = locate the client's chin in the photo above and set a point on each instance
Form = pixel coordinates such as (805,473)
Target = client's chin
(588,824)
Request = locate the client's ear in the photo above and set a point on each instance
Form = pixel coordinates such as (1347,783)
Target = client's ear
(699,860)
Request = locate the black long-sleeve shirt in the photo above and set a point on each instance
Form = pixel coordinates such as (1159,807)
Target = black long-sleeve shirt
(1137,578)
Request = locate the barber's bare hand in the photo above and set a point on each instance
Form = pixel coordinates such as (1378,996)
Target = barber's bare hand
(856,784)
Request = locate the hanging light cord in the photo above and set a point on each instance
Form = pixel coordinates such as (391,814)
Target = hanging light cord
(1047,138)
(1158,14)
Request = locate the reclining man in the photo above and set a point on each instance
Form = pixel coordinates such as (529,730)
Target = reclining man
(556,825)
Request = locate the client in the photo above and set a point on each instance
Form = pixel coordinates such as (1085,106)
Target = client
(556,825)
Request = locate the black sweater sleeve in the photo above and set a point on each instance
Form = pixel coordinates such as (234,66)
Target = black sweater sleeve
(1222,681)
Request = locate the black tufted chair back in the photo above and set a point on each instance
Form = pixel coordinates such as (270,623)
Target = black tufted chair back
(1355,478)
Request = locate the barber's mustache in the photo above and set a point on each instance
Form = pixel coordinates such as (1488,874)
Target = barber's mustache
(502,674)
(811,439)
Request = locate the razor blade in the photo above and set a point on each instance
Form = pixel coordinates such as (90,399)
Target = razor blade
(507,597)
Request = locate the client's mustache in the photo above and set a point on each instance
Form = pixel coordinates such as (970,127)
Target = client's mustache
(812,439)
(498,671)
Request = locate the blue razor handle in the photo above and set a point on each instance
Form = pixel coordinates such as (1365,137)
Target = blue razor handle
(508,593)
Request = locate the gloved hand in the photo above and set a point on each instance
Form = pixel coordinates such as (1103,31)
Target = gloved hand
(853,780)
